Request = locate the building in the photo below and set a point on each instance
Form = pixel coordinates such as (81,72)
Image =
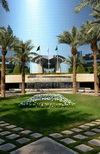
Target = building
(48,64)
(50,81)
(88,58)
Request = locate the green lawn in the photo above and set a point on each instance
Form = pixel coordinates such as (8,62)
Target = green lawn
(49,120)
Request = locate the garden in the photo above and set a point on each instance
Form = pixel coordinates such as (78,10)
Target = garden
(52,113)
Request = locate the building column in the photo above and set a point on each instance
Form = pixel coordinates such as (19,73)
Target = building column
(20,85)
(78,85)
(58,67)
(40,68)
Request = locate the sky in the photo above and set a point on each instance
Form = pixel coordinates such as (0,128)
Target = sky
(42,21)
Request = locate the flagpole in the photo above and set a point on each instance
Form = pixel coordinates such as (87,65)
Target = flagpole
(40,56)
(38,49)
(48,59)
(57,59)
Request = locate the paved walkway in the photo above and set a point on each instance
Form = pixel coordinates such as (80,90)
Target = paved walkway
(8,93)
(83,139)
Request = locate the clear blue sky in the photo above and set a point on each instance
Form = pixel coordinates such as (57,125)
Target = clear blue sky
(42,20)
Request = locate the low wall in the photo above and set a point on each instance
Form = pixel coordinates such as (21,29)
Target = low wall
(50,78)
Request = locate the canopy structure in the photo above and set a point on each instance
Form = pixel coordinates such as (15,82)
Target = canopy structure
(45,62)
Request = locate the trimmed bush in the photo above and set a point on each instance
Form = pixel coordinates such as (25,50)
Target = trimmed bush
(70,70)
(27,70)
(99,71)
(90,69)
(8,71)
(17,69)
(80,69)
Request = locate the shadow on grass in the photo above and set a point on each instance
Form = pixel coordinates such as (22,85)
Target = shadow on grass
(44,120)
(16,96)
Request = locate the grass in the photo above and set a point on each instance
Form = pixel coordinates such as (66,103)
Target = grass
(50,120)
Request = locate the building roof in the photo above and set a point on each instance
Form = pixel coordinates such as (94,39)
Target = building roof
(52,60)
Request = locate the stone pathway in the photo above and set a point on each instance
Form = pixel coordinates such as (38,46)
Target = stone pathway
(83,139)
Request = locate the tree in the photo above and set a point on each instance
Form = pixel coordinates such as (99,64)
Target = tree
(79,60)
(84,3)
(96,22)
(91,37)
(22,55)
(4,4)
(17,69)
(7,40)
(96,13)
(71,38)
(80,69)
(90,69)
(95,7)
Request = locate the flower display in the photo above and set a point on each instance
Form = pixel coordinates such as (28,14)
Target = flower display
(47,100)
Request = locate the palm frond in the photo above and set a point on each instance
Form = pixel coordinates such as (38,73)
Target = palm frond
(23,50)
(7,38)
(70,37)
(84,3)
(81,6)
(5,5)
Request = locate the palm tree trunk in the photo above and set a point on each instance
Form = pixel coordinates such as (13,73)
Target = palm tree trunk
(74,51)
(3,73)
(96,80)
(74,74)
(23,78)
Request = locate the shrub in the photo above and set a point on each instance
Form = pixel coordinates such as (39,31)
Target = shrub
(17,69)
(90,69)
(80,69)
(47,100)
(27,70)
(70,70)
(99,71)
(8,71)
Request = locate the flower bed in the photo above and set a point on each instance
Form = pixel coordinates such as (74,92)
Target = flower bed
(47,100)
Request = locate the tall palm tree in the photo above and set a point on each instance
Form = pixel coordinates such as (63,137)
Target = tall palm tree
(7,40)
(84,3)
(71,38)
(4,4)
(22,55)
(96,13)
(96,22)
(95,7)
(91,37)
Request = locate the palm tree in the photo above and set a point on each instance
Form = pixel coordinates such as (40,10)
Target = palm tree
(79,60)
(4,4)
(91,37)
(96,13)
(22,55)
(95,6)
(96,22)
(71,38)
(84,3)
(7,40)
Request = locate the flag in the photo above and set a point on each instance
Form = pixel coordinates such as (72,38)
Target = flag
(56,48)
(38,48)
